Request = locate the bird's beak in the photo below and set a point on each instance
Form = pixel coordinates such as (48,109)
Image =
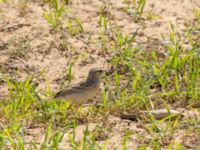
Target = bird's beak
(109,71)
(105,71)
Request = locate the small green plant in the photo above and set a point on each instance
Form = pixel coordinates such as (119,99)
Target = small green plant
(102,33)
(136,8)
(54,15)
(140,8)
(74,27)
(68,76)
(3,1)
(69,73)
(197,15)
(48,1)
(52,141)
(126,138)
(151,16)
(103,19)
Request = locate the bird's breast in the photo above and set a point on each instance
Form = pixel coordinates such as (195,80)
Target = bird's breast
(92,91)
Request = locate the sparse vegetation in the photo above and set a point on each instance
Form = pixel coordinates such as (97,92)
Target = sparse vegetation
(136,8)
(54,16)
(75,26)
(146,73)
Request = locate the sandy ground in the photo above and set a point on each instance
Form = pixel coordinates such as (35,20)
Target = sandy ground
(27,46)
(42,48)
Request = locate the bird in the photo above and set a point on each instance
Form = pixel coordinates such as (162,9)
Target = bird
(84,91)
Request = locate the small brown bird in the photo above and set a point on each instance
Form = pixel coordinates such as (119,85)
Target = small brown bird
(85,90)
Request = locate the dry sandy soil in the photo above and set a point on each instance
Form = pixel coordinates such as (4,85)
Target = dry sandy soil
(28,46)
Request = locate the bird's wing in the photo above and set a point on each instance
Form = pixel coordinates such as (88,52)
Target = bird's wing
(75,89)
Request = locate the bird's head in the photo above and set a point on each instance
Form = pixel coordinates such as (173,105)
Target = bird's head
(96,73)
